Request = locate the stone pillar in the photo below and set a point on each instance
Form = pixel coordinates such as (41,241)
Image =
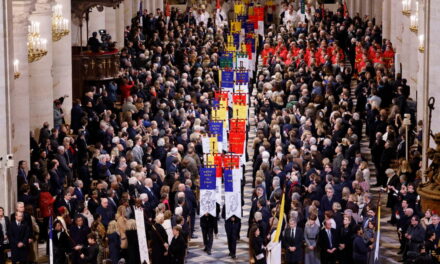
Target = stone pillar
(434,64)
(120,26)
(386,18)
(40,72)
(128,13)
(8,181)
(358,7)
(377,11)
(62,65)
(110,20)
(367,8)
(350,7)
(19,95)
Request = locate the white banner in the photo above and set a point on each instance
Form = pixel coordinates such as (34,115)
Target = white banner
(218,191)
(207,202)
(142,239)
(233,198)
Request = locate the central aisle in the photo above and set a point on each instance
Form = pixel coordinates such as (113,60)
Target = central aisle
(220,252)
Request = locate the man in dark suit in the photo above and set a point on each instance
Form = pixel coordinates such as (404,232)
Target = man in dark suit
(64,168)
(434,227)
(328,241)
(56,182)
(292,241)
(105,211)
(207,223)
(78,234)
(191,200)
(232,227)
(66,201)
(360,248)
(19,238)
(22,174)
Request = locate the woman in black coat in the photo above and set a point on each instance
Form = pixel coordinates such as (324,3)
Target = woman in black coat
(133,245)
(256,245)
(346,241)
(177,248)
(114,242)
(159,239)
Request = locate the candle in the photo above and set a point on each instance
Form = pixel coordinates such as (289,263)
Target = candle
(16,64)
(44,44)
(421,40)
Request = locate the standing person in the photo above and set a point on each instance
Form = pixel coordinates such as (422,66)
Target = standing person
(311,231)
(328,242)
(177,247)
(61,243)
(46,210)
(90,254)
(292,242)
(256,245)
(232,227)
(133,244)
(159,240)
(78,234)
(207,223)
(5,224)
(346,241)
(360,247)
(19,238)
(114,241)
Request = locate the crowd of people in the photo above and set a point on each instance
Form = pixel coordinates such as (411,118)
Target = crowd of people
(135,144)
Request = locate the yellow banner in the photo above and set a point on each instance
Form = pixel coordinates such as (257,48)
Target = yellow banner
(235,27)
(276,238)
(213,144)
(239,111)
(239,9)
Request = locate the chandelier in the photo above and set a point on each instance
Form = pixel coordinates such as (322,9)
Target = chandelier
(36,45)
(414,20)
(406,7)
(60,25)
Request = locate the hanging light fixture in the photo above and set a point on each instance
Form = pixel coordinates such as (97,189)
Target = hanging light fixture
(37,46)
(60,25)
(414,20)
(406,7)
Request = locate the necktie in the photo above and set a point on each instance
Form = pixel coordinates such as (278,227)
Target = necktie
(294,233)
(330,238)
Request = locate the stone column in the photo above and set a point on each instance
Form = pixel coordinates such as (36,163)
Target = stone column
(357,7)
(19,95)
(62,65)
(434,64)
(128,7)
(8,180)
(386,19)
(377,11)
(41,78)
(120,26)
(110,21)
(367,8)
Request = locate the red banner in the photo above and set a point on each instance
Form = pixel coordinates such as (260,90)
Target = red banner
(221,95)
(239,98)
(238,125)
(236,141)
(231,161)
(259,13)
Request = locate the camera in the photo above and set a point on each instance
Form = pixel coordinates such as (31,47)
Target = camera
(104,35)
